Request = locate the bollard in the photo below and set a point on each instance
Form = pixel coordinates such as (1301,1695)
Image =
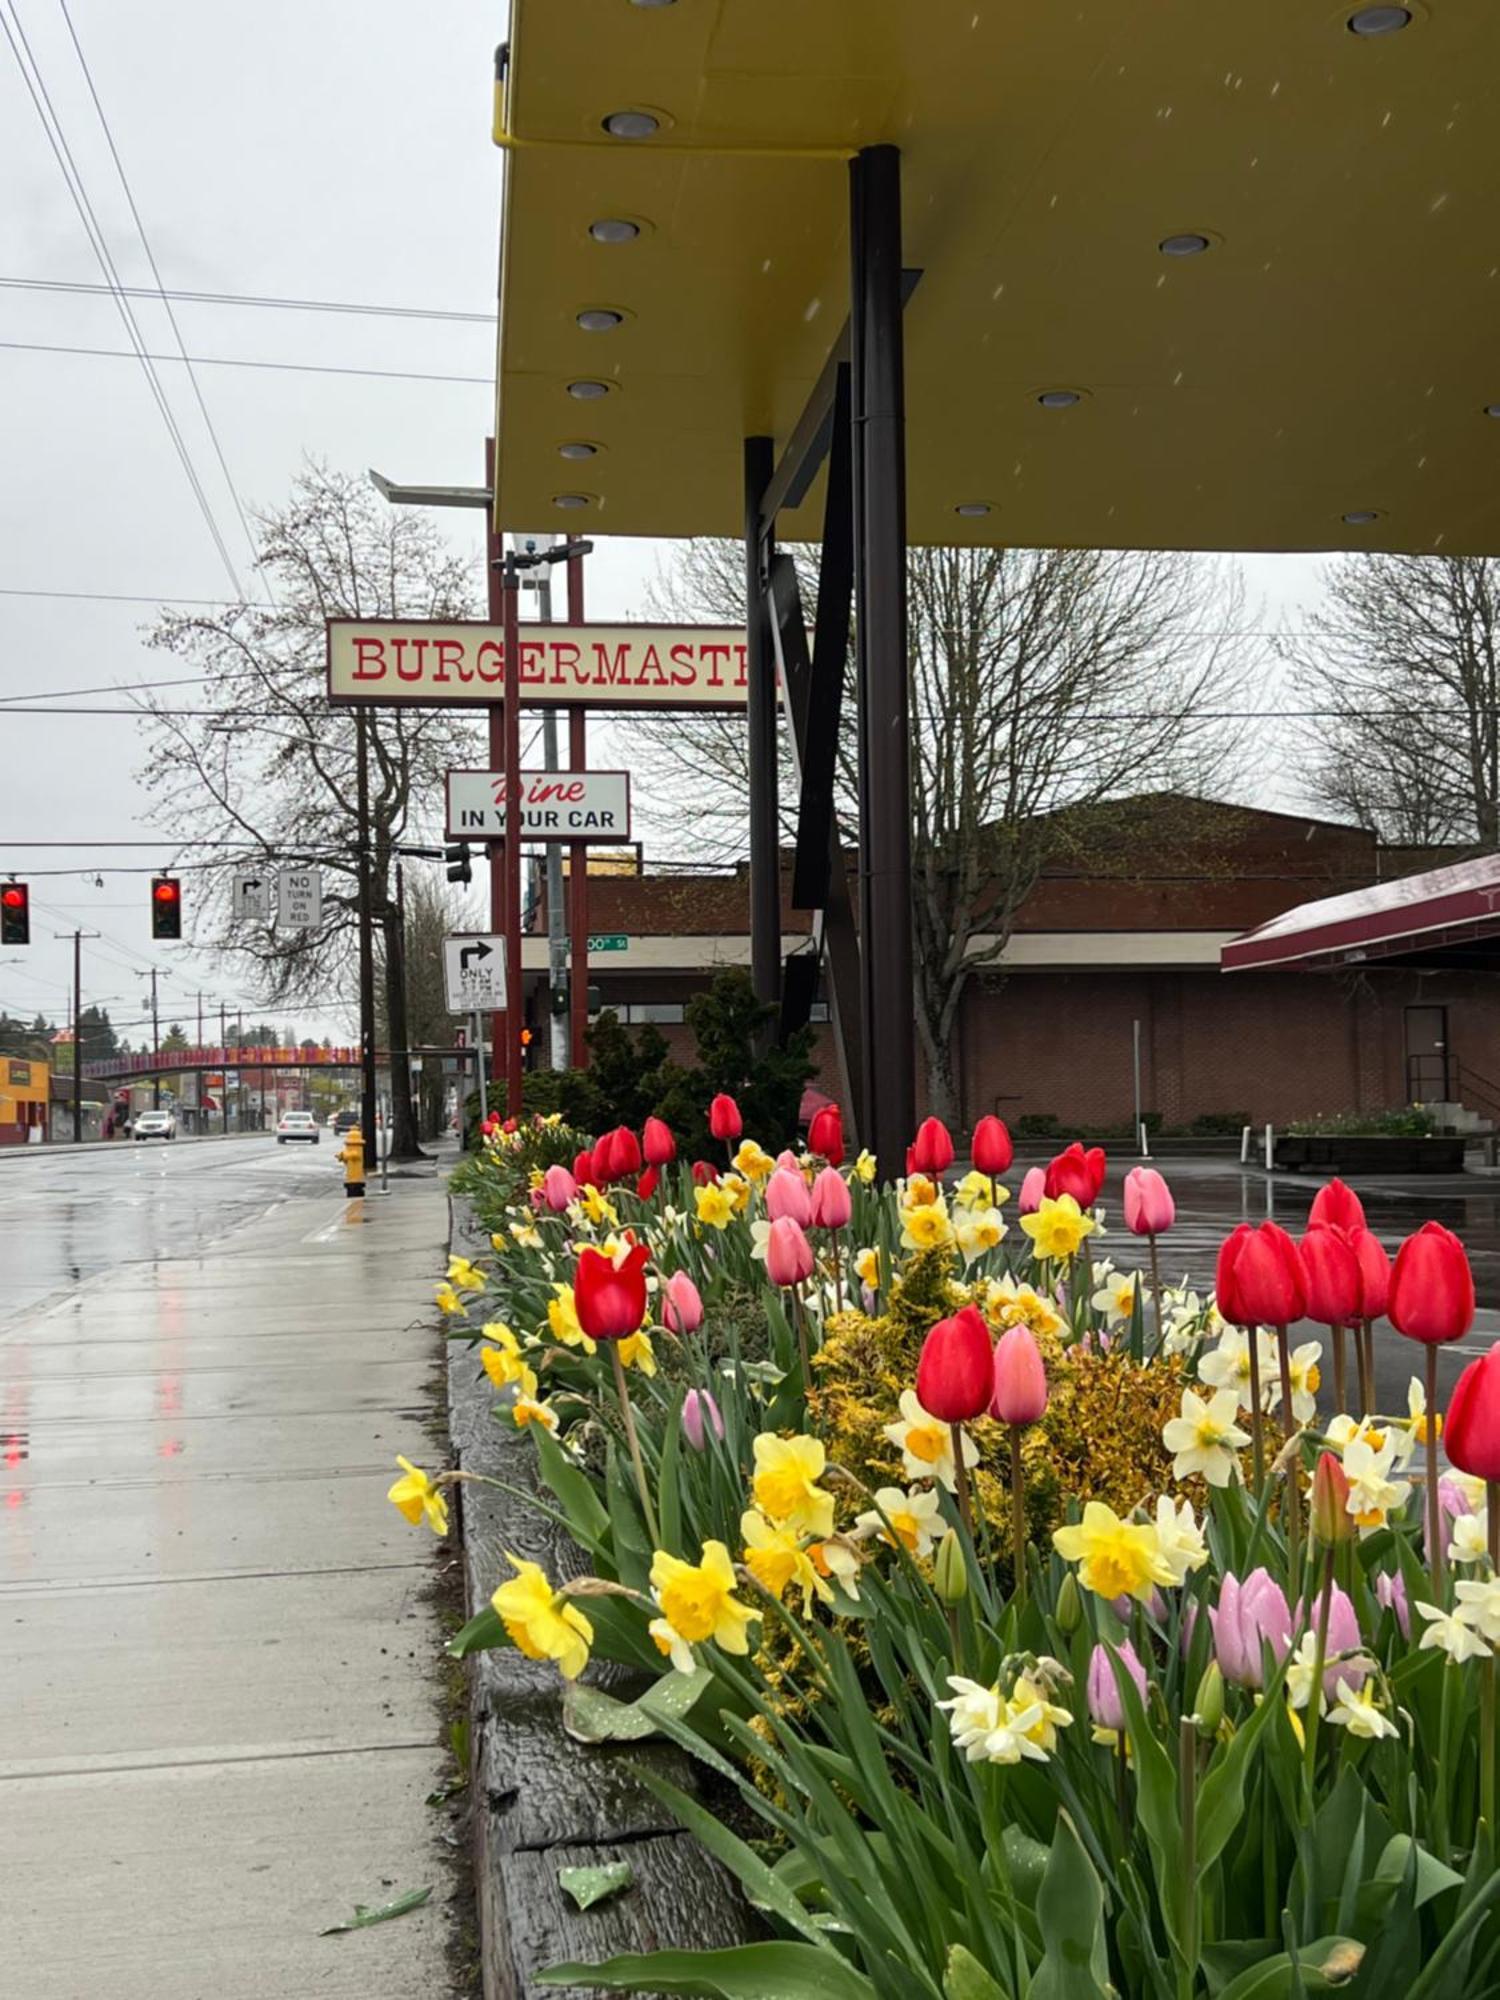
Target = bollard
(352,1153)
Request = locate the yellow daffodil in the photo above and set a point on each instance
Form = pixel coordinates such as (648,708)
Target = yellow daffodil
(417,1498)
(715,1205)
(541,1622)
(836,1561)
(562,1317)
(506,1369)
(595,1206)
(919,1192)
(754,1162)
(978,1230)
(1372,1493)
(926,1444)
(1115,1558)
(464,1276)
(865,1167)
(499,1333)
(1421,1429)
(739,1191)
(1057,1229)
(1204,1437)
(527,1235)
(636,1352)
(775,1557)
(1012,1304)
(448,1301)
(1036,1714)
(912,1518)
(990,1729)
(697,1603)
(785,1483)
(926,1227)
(975,1190)
(527,1410)
(867,1265)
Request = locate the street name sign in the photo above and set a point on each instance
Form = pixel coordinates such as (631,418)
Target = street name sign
(299,899)
(474,974)
(555,805)
(608,941)
(251,898)
(428,663)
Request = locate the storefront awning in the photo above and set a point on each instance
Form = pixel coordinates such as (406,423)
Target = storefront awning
(1446,916)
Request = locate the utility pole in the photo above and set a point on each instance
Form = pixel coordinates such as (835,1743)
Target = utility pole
(578,894)
(223,1071)
(366,936)
(78,938)
(557,916)
(155,1047)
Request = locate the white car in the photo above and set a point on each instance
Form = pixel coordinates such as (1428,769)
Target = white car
(155,1125)
(296,1125)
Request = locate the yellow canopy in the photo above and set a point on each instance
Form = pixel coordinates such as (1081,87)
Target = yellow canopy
(1332,351)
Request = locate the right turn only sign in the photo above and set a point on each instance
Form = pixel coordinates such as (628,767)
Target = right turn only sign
(474,974)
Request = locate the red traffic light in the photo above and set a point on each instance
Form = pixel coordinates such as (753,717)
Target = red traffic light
(166,892)
(15,913)
(166,907)
(13,896)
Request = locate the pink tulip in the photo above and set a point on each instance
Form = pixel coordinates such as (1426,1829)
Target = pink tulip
(1149,1208)
(1246,1614)
(681,1306)
(558,1188)
(1105,1707)
(789,1257)
(1452,1499)
(1344,1636)
(787,1196)
(700,1415)
(1020,1394)
(832,1204)
(1033,1188)
(788,1159)
(1390,1594)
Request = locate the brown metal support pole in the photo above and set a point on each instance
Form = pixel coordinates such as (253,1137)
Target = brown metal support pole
(514,1013)
(77,1036)
(578,887)
(880,570)
(494,556)
(367,1103)
(760,724)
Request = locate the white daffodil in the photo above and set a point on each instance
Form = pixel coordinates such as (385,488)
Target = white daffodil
(978,1230)
(1180,1537)
(988,1728)
(913,1519)
(1205,1437)
(1227,1366)
(1373,1494)
(926,1443)
(1117,1295)
(1357,1710)
(1458,1640)
(1471,1538)
(1300,1671)
(1479,1607)
(1302,1366)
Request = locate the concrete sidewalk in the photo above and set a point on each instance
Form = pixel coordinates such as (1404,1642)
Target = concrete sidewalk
(217,1705)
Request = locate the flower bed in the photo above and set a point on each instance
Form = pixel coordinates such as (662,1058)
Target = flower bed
(1058,1631)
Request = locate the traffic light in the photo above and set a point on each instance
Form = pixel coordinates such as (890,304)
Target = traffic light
(15,913)
(459,867)
(166,907)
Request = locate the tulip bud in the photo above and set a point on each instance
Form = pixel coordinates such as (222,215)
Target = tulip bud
(1432,1288)
(1338,1206)
(647,1183)
(583,1166)
(932,1149)
(1078,1173)
(1020,1379)
(990,1147)
(724,1119)
(1103,1691)
(1033,1188)
(1260,1279)
(1471,1430)
(1149,1208)
(789,1257)
(1208,1703)
(657,1143)
(950,1573)
(1069,1611)
(1374,1273)
(825,1135)
(832,1205)
(1330,1501)
(700,1415)
(681,1305)
(787,1195)
(955,1374)
(558,1188)
(1331,1271)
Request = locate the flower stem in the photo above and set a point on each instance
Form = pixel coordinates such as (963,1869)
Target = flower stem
(1187,1787)
(961,1477)
(1340,1371)
(1315,1693)
(1434,1498)
(1487,1677)
(1293,1490)
(1018,1512)
(1257,1439)
(1156,1289)
(635,1445)
(1365,1348)
(799,1316)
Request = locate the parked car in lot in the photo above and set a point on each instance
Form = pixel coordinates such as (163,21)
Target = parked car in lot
(155,1125)
(296,1125)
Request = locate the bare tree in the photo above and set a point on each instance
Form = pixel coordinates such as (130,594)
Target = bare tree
(432,911)
(256,757)
(1041,679)
(1406,656)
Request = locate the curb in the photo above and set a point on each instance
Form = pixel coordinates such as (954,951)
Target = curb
(542,1801)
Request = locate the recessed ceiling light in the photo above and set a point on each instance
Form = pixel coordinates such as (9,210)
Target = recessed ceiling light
(1378,20)
(576,448)
(1188,244)
(1361,517)
(653,3)
(631,124)
(588,392)
(1492,409)
(1059,399)
(972,510)
(599,319)
(572,500)
(614,229)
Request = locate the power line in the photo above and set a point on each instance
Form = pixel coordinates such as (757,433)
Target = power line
(115,687)
(250,299)
(131,597)
(42,104)
(236,361)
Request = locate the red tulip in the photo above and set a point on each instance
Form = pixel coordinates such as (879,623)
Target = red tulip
(647,1184)
(831,1202)
(599,1161)
(583,1166)
(1078,1173)
(991,1148)
(787,1194)
(724,1119)
(1338,1205)
(1330,1270)
(931,1151)
(1019,1394)
(1374,1273)
(657,1144)
(1432,1287)
(956,1372)
(789,1257)
(624,1153)
(705,1173)
(1260,1280)
(825,1135)
(610,1299)
(1471,1429)
(1149,1207)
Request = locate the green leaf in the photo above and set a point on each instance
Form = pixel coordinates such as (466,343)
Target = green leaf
(632,1550)
(590,1716)
(573,1490)
(1026,1860)
(1221,1796)
(744,1972)
(1324,1966)
(966,1979)
(588,1886)
(668,1497)
(1070,1911)
(484,1631)
(1432,1981)
(1433,1877)
(1156,1803)
(381,1914)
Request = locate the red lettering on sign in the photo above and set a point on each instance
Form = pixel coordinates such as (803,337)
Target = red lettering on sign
(742,655)
(682,658)
(369,660)
(533,652)
(565,656)
(450,653)
(414,671)
(651,664)
(714,655)
(490,661)
(611,672)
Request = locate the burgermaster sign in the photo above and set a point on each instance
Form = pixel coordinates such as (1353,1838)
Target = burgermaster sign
(596,666)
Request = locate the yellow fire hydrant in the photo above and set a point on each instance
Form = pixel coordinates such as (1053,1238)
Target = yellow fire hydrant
(352,1153)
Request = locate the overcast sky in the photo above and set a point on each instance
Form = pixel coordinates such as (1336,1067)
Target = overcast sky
(329,150)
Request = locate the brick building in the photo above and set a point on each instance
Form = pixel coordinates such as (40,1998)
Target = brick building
(1126,924)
